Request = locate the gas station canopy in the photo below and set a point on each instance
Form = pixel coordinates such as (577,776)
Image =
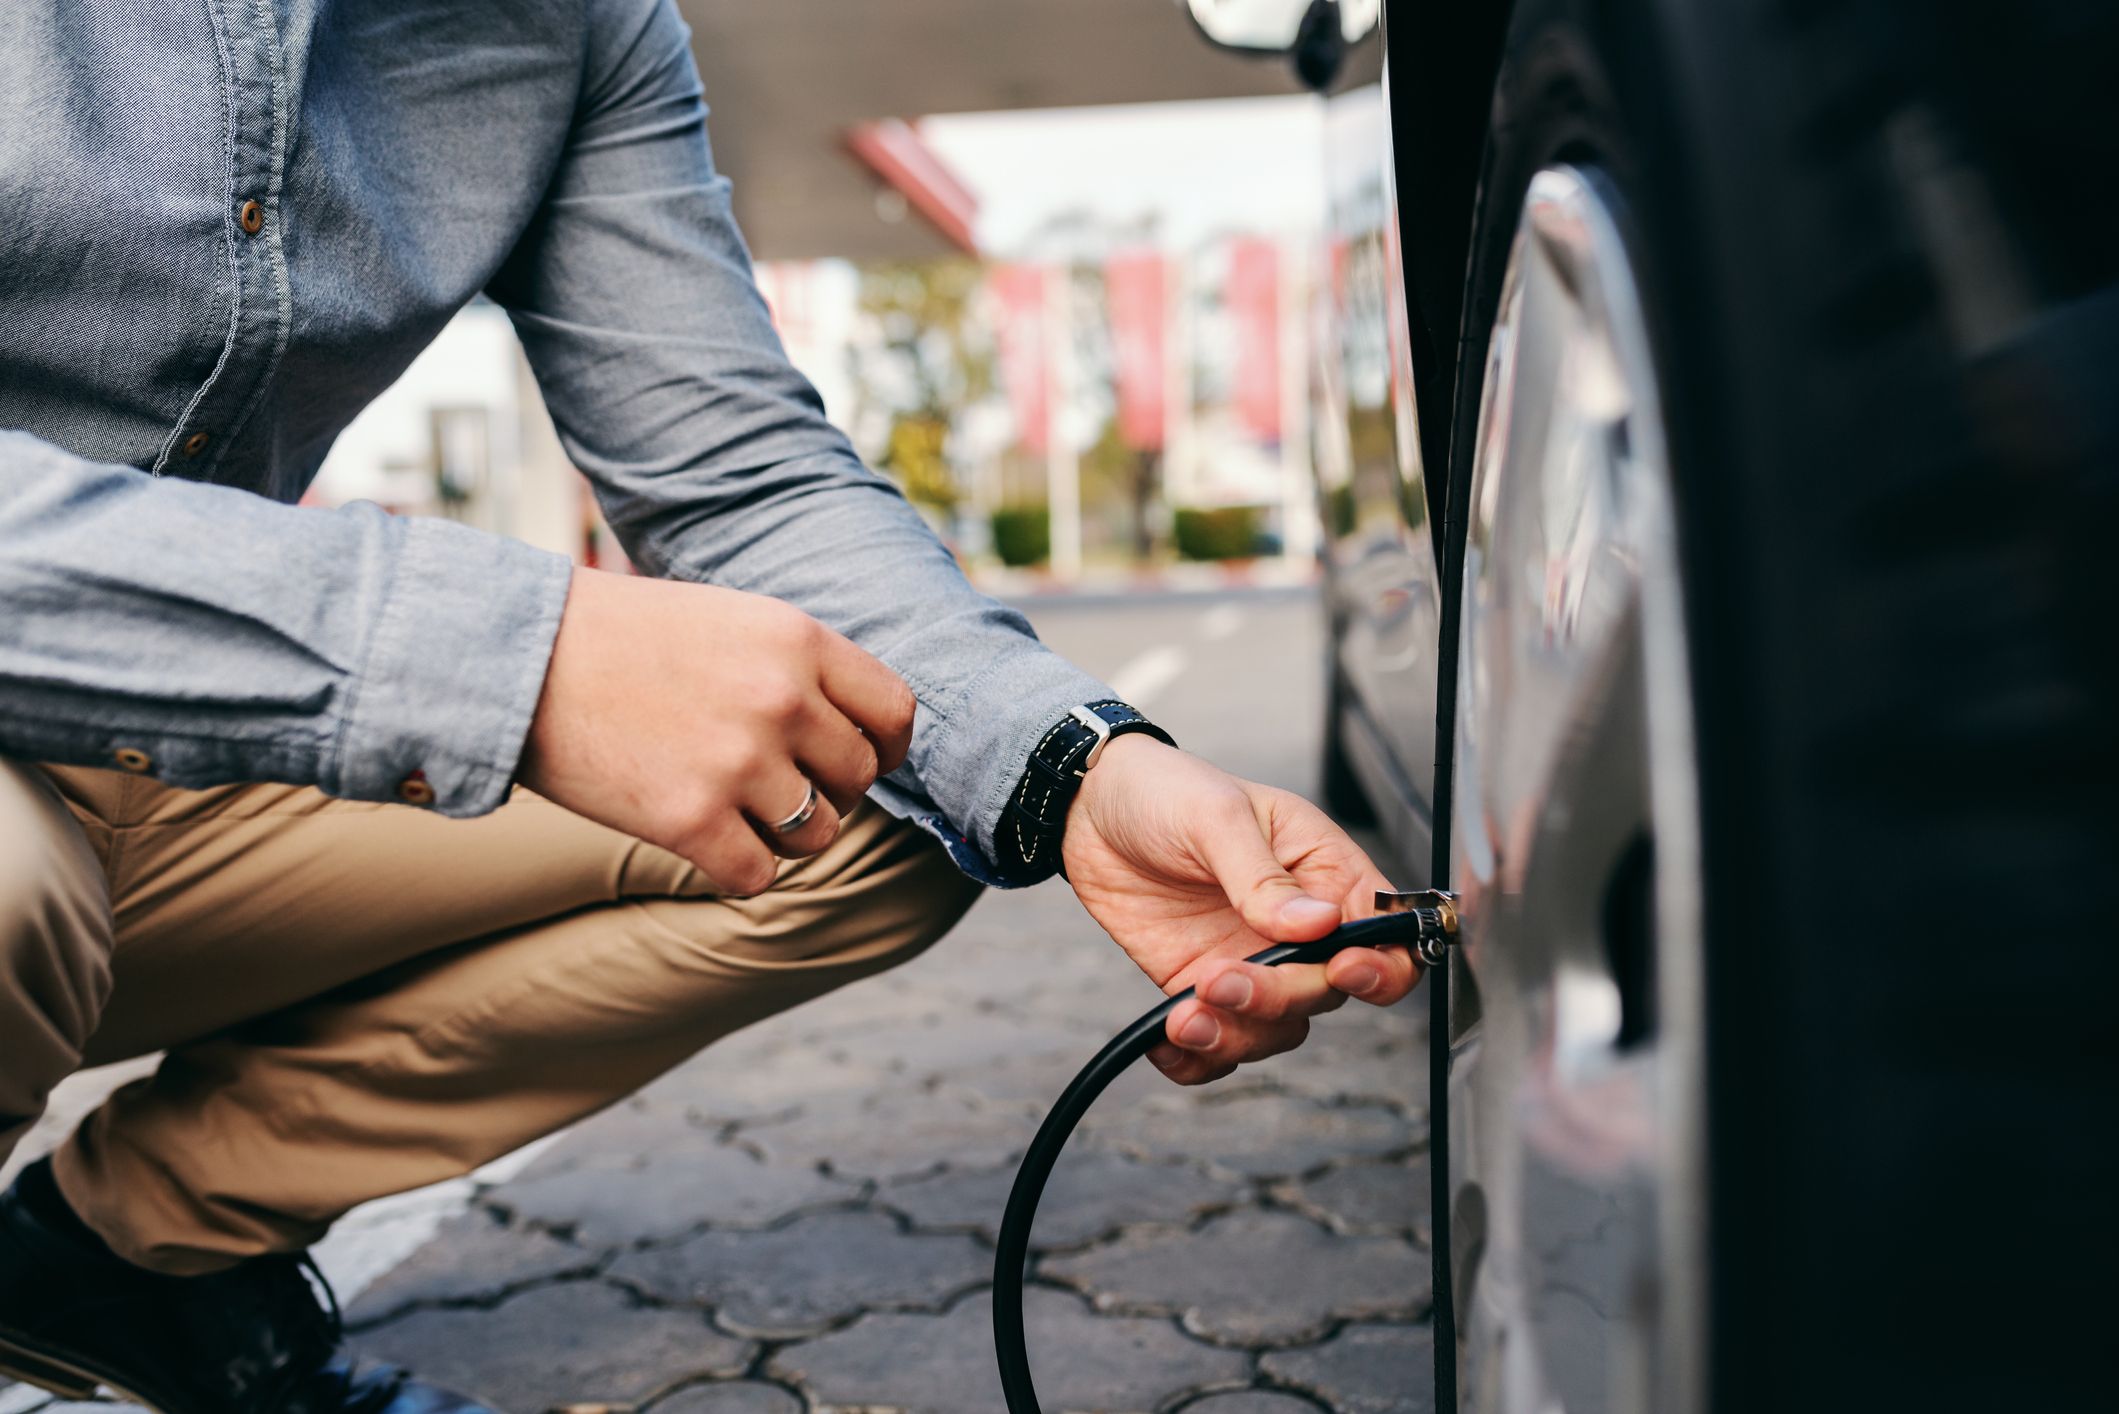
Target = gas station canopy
(796,86)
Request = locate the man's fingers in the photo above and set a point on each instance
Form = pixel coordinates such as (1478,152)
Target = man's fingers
(874,698)
(838,757)
(1380,976)
(1266,993)
(1233,844)
(1229,1039)
(1185,1068)
(771,803)
(728,851)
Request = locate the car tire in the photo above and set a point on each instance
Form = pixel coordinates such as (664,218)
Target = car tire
(1892,538)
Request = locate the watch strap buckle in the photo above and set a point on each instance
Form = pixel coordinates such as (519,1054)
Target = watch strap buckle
(1097,725)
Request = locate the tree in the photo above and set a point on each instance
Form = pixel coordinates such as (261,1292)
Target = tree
(923,356)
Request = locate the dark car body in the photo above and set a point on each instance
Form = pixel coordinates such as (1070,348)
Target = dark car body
(1409,119)
(1406,122)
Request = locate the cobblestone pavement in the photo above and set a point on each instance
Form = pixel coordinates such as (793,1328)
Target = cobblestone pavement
(802,1218)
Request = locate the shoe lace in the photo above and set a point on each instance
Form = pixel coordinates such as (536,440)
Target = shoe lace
(349,1386)
(334,1318)
(299,1312)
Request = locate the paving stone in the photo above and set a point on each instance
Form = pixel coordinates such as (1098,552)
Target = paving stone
(1349,1056)
(1092,1004)
(893,1134)
(471,1258)
(801,1278)
(946,1042)
(892,997)
(1248,1401)
(1029,1084)
(576,1343)
(1371,1199)
(1049,962)
(1365,1369)
(1141,1120)
(766,1077)
(1257,1134)
(657,1195)
(945,1365)
(742,1397)
(365,1244)
(1090,1196)
(1251,1277)
(624,1131)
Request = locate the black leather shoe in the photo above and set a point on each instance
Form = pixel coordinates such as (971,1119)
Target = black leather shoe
(254,1339)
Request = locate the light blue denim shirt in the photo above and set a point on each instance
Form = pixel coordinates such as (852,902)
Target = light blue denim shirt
(175,362)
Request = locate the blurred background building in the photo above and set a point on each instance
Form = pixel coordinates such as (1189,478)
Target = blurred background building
(1050,263)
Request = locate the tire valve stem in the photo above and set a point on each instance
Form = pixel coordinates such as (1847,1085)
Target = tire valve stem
(1435,912)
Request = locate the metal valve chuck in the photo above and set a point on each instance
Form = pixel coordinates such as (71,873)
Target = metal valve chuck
(1436,910)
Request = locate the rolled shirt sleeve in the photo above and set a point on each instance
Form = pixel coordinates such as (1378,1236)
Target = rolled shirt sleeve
(211,635)
(712,456)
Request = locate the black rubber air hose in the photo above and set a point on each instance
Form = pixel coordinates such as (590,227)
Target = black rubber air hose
(1409,929)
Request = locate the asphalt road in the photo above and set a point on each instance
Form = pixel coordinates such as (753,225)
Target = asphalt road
(801,1218)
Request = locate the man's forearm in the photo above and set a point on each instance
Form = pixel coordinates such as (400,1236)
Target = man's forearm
(849,550)
(202,634)
(712,454)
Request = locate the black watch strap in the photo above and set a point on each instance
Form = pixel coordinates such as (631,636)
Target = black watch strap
(1028,841)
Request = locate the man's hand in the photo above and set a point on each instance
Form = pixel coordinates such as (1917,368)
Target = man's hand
(1191,869)
(692,717)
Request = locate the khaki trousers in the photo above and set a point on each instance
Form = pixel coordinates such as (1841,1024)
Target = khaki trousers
(359,999)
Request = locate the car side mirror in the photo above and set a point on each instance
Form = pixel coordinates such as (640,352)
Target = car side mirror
(1314,34)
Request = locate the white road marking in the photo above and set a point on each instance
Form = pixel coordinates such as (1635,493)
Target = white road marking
(373,1238)
(1140,680)
(1221,621)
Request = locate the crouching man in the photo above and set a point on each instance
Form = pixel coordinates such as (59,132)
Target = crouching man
(408,844)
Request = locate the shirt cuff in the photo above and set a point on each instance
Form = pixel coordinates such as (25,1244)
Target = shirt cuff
(979,747)
(454,666)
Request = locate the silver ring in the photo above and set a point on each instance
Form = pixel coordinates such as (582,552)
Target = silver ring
(796,821)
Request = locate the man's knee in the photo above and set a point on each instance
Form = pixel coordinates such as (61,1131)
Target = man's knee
(880,895)
(646,982)
(55,940)
(921,906)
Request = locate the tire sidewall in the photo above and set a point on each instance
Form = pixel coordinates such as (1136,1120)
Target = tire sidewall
(1594,85)
(1855,487)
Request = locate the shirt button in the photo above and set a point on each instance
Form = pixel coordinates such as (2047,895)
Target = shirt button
(133,759)
(252,216)
(414,790)
(195,443)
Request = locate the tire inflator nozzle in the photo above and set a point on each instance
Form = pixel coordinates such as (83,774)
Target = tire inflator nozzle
(1424,921)
(1433,912)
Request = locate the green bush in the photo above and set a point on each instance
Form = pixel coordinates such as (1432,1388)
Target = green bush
(1223,533)
(917,457)
(1340,510)
(1022,535)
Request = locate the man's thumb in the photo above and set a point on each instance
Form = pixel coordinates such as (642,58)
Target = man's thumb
(1264,893)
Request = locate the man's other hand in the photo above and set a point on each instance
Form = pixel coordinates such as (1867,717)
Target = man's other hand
(1190,870)
(694,717)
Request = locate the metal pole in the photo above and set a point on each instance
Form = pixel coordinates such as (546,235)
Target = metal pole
(1063,471)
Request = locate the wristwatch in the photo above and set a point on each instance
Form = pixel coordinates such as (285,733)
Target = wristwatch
(1028,841)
